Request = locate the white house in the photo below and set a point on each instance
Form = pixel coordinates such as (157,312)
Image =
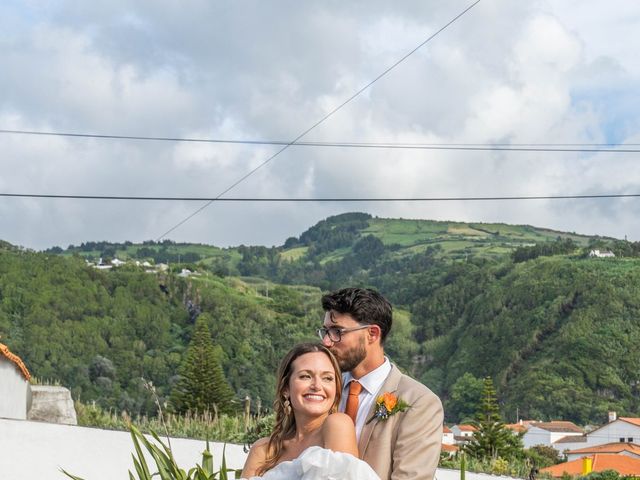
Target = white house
(620,430)
(447,436)
(15,392)
(547,433)
(463,430)
(601,253)
(570,442)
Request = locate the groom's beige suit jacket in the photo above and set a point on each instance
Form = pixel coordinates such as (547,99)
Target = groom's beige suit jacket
(407,444)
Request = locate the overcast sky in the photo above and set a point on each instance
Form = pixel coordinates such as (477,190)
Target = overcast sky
(508,71)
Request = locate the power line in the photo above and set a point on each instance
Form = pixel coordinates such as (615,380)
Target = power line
(508,147)
(322,199)
(328,115)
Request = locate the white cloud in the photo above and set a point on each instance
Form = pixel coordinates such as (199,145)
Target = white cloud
(543,71)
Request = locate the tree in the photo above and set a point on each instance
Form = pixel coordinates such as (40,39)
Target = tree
(492,439)
(202,385)
(464,398)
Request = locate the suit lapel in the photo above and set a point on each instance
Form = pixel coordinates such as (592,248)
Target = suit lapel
(390,385)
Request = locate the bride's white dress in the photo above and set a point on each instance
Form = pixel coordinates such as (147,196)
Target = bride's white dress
(317,463)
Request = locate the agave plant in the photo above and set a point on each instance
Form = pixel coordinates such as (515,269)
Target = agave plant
(167,468)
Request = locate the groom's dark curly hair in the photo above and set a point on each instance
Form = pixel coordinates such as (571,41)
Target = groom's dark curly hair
(365,305)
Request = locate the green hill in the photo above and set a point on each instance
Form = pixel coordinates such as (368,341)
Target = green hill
(553,327)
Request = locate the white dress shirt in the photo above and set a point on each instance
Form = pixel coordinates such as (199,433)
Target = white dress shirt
(371,385)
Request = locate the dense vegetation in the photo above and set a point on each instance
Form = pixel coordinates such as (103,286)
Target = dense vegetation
(554,329)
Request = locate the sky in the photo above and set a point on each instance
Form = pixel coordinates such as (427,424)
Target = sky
(506,72)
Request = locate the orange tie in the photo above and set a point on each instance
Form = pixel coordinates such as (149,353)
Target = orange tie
(352,400)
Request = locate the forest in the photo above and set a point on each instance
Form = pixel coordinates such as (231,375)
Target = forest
(554,328)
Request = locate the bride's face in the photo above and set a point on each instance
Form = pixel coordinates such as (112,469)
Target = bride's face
(312,385)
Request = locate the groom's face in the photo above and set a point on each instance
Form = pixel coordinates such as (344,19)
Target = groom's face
(351,350)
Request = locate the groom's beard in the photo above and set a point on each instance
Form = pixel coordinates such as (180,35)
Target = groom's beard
(352,358)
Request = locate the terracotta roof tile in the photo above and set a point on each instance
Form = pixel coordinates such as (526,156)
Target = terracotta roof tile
(446,429)
(449,448)
(572,439)
(558,426)
(633,420)
(4,351)
(622,464)
(467,428)
(615,447)
(516,427)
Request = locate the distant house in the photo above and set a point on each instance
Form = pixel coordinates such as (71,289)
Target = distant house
(620,430)
(463,430)
(547,433)
(116,262)
(463,434)
(599,462)
(601,253)
(185,273)
(450,449)
(629,449)
(570,442)
(517,428)
(14,385)
(447,436)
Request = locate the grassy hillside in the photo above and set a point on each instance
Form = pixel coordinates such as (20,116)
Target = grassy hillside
(555,329)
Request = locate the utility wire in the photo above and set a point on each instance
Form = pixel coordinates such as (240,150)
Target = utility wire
(328,115)
(509,147)
(322,199)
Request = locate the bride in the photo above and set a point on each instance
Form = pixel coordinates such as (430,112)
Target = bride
(310,440)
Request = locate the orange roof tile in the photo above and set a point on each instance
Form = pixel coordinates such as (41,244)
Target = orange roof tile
(622,464)
(467,428)
(516,427)
(4,350)
(558,426)
(633,420)
(449,448)
(446,429)
(615,447)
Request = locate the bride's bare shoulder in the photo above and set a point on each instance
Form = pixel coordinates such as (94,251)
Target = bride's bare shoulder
(255,459)
(340,421)
(339,434)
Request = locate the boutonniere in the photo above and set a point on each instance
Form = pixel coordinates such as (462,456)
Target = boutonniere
(388,404)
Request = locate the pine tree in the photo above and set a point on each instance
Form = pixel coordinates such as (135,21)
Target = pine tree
(492,438)
(202,385)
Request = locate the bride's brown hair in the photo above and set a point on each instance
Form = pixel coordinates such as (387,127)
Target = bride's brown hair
(285,424)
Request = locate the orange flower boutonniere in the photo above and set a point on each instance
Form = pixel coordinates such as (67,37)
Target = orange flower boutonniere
(388,404)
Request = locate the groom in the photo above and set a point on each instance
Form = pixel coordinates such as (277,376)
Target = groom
(406,444)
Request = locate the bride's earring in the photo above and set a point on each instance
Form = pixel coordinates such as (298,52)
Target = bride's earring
(287,407)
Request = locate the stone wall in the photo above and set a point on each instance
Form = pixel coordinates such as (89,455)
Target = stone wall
(52,404)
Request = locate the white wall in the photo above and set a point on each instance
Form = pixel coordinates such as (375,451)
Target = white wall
(448,474)
(536,436)
(30,450)
(13,391)
(35,450)
(612,432)
(564,446)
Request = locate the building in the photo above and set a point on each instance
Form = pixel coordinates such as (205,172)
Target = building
(462,434)
(620,430)
(617,448)
(601,254)
(548,433)
(451,450)
(598,463)
(447,436)
(15,398)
